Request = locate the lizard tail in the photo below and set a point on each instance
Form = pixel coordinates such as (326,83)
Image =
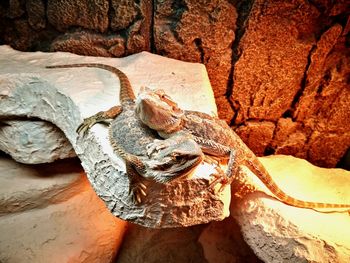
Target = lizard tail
(254,164)
(126,92)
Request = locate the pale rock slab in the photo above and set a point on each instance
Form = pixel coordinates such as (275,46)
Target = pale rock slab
(50,213)
(66,96)
(34,141)
(280,233)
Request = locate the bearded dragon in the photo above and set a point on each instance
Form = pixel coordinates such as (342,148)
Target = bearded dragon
(158,111)
(129,138)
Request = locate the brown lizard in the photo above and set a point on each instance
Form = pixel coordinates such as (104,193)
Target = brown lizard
(129,138)
(158,111)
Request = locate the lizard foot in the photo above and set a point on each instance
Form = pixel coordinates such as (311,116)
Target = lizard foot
(137,190)
(219,178)
(89,122)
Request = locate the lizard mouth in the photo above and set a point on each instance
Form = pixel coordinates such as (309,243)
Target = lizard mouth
(176,172)
(167,170)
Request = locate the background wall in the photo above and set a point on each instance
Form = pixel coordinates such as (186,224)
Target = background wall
(280,70)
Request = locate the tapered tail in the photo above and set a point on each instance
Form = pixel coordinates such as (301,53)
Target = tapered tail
(255,165)
(126,91)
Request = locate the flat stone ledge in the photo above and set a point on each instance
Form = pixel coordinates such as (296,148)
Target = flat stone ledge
(65,96)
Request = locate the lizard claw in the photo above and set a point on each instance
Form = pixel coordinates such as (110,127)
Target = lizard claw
(137,191)
(86,125)
(89,122)
(220,178)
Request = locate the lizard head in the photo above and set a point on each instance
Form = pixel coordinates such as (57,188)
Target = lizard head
(175,161)
(158,111)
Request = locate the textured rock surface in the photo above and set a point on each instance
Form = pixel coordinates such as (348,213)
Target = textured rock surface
(276,232)
(278,68)
(34,141)
(93,44)
(200,31)
(36,14)
(63,14)
(291,73)
(214,242)
(50,212)
(280,233)
(65,96)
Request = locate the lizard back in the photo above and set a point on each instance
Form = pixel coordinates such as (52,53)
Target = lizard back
(129,133)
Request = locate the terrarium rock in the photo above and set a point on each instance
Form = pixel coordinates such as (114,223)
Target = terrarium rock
(34,141)
(290,91)
(65,96)
(63,14)
(50,213)
(274,231)
(280,233)
(214,242)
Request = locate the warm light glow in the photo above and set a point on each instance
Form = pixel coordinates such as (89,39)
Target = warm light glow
(302,180)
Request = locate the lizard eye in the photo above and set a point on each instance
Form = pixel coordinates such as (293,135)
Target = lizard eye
(176,156)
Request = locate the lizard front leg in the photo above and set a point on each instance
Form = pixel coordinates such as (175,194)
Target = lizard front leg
(102,116)
(215,149)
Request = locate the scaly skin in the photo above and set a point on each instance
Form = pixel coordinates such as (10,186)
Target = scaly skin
(161,113)
(129,139)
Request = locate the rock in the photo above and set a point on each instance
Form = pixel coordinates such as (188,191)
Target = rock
(223,241)
(20,34)
(86,43)
(289,138)
(324,104)
(134,19)
(198,31)
(50,212)
(257,134)
(63,14)
(15,8)
(66,96)
(34,141)
(265,79)
(292,65)
(280,233)
(213,242)
(36,14)
(161,245)
(124,12)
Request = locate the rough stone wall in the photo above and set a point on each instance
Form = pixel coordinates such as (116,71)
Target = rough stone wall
(291,80)
(279,69)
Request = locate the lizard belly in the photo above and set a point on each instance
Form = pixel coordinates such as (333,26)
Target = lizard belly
(127,131)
